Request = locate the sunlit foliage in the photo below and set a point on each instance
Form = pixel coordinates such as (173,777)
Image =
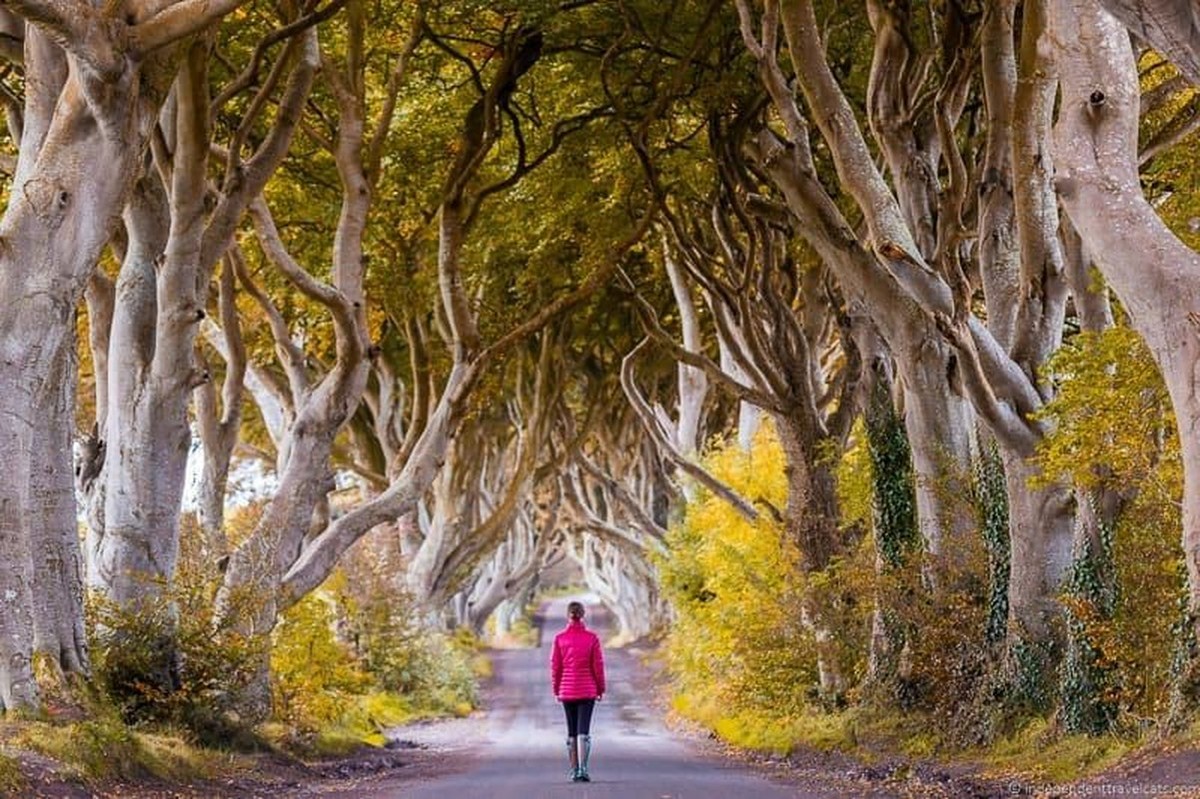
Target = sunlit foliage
(737,643)
(1113,429)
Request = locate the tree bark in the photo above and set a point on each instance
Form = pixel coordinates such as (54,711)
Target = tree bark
(1040,518)
(692,382)
(1170,26)
(130,555)
(58,631)
(1041,526)
(896,533)
(57,220)
(811,520)
(999,264)
(1155,275)
(219,427)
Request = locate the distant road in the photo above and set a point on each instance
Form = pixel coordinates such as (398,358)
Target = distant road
(521,751)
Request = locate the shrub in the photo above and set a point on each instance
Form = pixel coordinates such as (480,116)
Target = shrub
(164,660)
(12,779)
(314,676)
(1114,431)
(354,656)
(737,639)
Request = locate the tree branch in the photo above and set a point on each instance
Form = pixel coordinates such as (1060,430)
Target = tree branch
(696,472)
(176,22)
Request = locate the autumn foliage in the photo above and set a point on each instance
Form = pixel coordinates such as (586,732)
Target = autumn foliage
(743,662)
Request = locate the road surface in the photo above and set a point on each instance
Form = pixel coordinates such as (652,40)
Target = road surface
(520,751)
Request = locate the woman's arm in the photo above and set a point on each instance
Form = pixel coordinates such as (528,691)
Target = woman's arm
(598,667)
(556,667)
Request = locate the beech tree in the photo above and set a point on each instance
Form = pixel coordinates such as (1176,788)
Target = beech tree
(486,482)
(97,78)
(1154,274)
(796,344)
(174,243)
(288,555)
(913,240)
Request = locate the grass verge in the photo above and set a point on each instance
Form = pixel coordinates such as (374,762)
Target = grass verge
(1037,752)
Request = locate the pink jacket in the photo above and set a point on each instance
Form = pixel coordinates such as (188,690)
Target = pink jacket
(577,664)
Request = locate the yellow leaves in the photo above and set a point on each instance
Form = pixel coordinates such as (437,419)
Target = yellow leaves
(743,559)
(313,672)
(1113,428)
(1111,419)
(855,479)
(735,585)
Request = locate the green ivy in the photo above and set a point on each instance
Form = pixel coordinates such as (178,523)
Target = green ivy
(896,530)
(1088,678)
(991,502)
(1029,663)
(1185,660)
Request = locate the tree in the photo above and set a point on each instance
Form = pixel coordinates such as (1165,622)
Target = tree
(287,556)
(1151,270)
(175,241)
(82,137)
(901,246)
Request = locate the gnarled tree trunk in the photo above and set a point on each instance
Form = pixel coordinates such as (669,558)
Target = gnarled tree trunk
(1155,275)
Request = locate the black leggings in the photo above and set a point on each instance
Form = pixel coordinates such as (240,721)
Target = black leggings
(579,716)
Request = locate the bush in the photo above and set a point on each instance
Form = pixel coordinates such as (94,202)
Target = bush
(164,660)
(1114,431)
(354,657)
(432,670)
(314,676)
(737,640)
(12,780)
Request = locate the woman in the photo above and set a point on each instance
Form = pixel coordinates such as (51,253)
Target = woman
(577,672)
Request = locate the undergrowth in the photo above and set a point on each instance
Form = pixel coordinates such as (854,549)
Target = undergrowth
(928,643)
(12,780)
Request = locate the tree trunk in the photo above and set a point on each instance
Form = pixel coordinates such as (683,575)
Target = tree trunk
(1087,691)
(999,264)
(811,521)
(255,572)
(1040,530)
(213,481)
(89,467)
(58,630)
(17,687)
(135,551)
(1154,274)
(1040,519)
(1088,291)
(435,543)
(749,415)
(939,422)
(897,536)
(219,427)
(56,222)
(693,383)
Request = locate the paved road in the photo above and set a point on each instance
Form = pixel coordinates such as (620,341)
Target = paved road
(521,752)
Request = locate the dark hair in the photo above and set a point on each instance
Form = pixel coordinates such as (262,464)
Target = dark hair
(575,610)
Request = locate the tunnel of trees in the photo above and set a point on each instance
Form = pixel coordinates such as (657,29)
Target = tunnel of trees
(856,345)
